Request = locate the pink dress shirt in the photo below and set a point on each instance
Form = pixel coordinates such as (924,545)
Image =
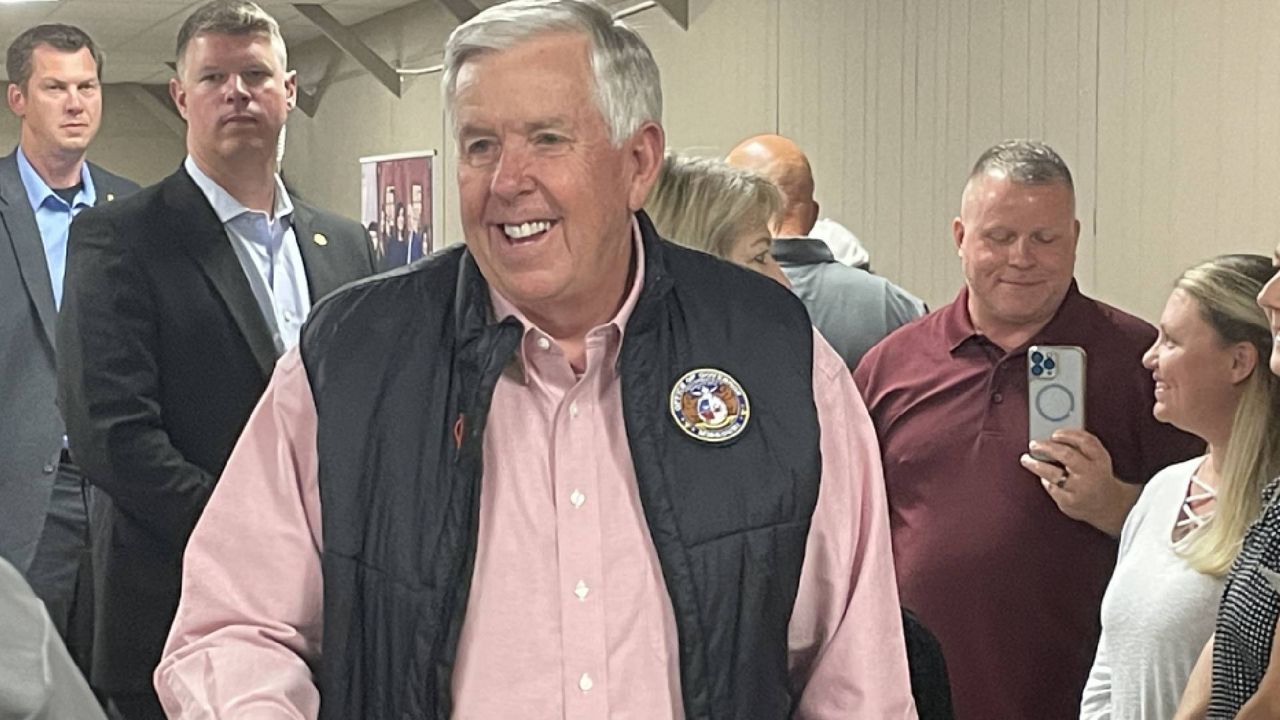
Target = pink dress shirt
(568,615)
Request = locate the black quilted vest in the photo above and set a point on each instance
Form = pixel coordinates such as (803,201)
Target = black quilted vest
(394,361)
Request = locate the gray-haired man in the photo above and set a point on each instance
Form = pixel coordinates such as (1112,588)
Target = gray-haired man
(570,470)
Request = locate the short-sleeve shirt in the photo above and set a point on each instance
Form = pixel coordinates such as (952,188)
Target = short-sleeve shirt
(1009,584)
(1247,615)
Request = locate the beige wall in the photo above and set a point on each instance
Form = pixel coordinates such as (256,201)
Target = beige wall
(1167,110)
(132,142)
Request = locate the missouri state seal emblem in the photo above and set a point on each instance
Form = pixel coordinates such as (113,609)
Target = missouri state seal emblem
(709,405)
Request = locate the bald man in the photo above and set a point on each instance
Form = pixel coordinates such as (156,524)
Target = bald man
(852,308)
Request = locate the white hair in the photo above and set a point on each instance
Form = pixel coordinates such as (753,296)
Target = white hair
(628,88)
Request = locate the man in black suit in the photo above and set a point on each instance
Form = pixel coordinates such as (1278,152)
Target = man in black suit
(181,299)
(54,88)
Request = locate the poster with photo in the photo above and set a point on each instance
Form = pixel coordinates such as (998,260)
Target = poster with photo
(395,206)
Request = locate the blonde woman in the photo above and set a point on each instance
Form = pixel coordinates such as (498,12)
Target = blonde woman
(1212,380)
(711,206)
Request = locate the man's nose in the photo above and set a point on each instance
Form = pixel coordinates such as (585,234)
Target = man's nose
(511,176)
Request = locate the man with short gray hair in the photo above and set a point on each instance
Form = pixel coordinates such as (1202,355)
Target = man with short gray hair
(179,301)
(1004,557)
(569,470)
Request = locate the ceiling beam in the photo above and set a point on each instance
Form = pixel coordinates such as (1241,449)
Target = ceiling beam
(352,45)
(463,10)
(309,102)
(678,10)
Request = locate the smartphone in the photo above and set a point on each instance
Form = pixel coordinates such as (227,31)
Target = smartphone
(1055,390)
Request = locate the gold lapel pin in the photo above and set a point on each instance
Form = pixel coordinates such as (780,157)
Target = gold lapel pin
(110,197)
(320,239)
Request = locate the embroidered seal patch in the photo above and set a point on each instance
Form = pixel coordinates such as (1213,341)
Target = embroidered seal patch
(709,405)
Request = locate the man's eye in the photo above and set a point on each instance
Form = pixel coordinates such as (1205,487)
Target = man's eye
(548,139)
(761,259)
(477,152)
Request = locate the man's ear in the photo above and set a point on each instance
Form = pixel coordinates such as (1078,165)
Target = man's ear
(17,100)
(179,95)
(644,149)
(957,233)
(291,89)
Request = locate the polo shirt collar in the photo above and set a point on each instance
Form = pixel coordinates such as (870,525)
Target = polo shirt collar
(1064,328)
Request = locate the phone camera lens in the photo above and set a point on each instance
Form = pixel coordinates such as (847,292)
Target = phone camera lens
(1037,370)
(1037,357)
(1049,364)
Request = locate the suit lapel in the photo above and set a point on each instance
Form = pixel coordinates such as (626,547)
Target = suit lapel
(208,244)
(24,236)
(318,258)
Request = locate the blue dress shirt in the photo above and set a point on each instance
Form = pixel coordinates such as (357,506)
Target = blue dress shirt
(267,249)
(53,217)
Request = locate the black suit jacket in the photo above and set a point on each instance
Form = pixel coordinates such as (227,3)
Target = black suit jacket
(30,425)
(163,354)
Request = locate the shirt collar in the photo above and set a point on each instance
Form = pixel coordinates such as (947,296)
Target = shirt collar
(38,191)
(502,307)
(801,251)
(958,328)
(226,207)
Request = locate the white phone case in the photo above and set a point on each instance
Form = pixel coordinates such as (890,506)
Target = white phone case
(1055,389)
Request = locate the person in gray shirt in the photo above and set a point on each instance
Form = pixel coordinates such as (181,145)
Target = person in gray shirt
(852,308)
(38,681)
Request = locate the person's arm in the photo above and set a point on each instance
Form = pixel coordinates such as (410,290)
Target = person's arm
(1265,703)
(1096,701)
(1082,483)
(247,632)
(37,677)
(1095,704)
(1195,697)
(847,650)
(109,385)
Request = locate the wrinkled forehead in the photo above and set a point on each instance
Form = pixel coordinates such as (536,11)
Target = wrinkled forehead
(559,62)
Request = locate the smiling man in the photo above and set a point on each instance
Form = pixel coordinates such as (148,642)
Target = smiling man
(569,470)
(1003,557)
(55,74)
(179,300)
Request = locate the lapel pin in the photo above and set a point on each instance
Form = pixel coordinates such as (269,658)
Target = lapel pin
(320,239)
(110,197)
(709,405)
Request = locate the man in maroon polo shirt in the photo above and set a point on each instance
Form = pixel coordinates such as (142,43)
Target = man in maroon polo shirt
(1003,557)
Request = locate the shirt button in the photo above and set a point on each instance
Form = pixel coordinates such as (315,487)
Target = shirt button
(577,498)
(573,409)
(48,469)
(997,398)
(584,683)
(581,590)
(544,343)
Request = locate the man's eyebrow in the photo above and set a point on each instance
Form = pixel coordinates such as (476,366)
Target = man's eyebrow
(553,123)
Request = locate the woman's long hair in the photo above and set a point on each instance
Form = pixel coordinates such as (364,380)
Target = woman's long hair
(1226,289)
